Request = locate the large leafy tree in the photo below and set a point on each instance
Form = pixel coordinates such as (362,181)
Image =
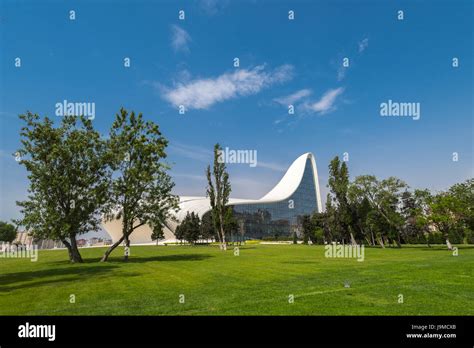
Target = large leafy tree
(218,191)
(140,192)
(415,212)
(464,192)
(385,197)
(447,214)
(7,232)
(68,174)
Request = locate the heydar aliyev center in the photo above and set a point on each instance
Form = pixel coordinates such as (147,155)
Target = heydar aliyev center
(278,212)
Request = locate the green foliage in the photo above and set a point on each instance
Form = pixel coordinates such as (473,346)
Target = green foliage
(218,191)
(68,174)
(140,192)
(189,229)
(158,232)
(384,211)
(7,232)
(207,226)
(338,183)
(384,197)
(307,228)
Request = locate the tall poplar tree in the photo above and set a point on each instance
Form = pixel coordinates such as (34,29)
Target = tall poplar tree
(218,191)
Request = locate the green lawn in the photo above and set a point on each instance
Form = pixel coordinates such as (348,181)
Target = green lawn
(257,282)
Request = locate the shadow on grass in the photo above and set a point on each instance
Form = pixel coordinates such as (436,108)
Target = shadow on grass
(33,279)
(159,258)
(297,262)
(435,248)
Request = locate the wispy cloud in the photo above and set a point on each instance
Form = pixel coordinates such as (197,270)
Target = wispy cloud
(294,97)
(180,39)
(203,93)
(191,151)
(190,176)
(212,7)
(363,45)
(272,166)
(326,103)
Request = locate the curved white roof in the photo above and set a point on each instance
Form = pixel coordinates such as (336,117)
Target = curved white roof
(283,190)
(200,205)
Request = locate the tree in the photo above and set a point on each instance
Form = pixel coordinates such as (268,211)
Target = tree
(446,211)
(318,225)
(7,232)
(218,191)
(231,226)
(68,174)
(190,228)
(158,233)
(307,228)
(339,186)
(415,212)
(140,192)
(207,226)
(180,232)
(295,238)
(332,227)
(384,197)
(464,192)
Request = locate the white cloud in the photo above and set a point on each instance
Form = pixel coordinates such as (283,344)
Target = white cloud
(179,39)
(190,151)
(272,166)
(190,176)
(292,98)
(203,93)
(326,103)
(363,45)
(212,7)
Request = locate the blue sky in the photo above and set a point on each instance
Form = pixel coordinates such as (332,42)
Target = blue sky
(190,62)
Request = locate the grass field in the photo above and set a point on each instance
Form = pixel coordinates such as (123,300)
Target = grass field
(257,282)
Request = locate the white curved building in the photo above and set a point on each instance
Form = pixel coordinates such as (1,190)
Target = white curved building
(277,213)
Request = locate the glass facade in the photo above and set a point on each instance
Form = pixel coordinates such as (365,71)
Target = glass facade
(279,219)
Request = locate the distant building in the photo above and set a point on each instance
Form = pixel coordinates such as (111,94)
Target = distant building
(24,238)
(81,242)
(279,212)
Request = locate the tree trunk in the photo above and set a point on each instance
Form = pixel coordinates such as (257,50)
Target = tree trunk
(399,244)
(221,228)
(224,244)
(112,247)
(127,248)
(381,242)
(353,241)
(74,255)
(448,244)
